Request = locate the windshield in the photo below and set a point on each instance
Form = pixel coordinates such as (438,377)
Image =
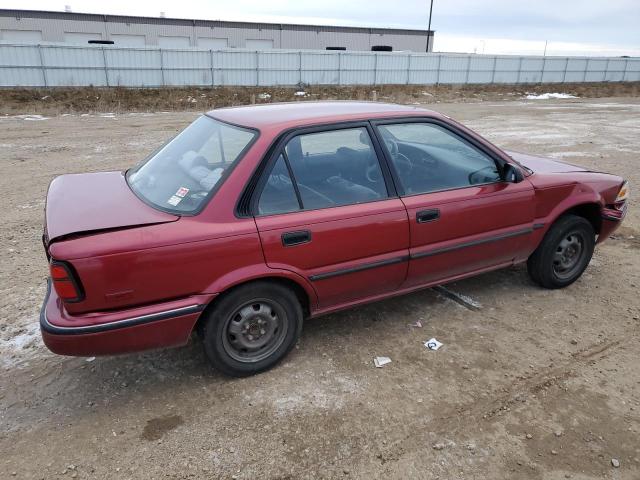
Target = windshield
(183,174)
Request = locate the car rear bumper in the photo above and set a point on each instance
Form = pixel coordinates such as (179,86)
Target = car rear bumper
(161,325)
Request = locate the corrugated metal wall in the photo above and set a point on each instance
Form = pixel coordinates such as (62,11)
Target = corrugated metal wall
(78,28)
(53,65)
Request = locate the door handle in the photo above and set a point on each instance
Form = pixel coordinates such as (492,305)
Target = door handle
(425,216)
(299,237)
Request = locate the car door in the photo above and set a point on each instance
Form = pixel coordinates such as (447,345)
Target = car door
(463,216)
(326,209)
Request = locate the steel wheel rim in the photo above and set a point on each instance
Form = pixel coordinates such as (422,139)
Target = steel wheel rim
(255,330)
(568,255)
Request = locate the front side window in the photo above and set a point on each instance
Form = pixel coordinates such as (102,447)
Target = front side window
(429,158)
(182,174)
(337,167)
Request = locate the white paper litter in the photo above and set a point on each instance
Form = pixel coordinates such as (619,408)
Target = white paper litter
(264,96)
(380,362)
(548,96)
(433,344)
(90,359)
(300,94)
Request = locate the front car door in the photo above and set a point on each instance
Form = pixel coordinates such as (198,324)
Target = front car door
(326,208)
(464,218)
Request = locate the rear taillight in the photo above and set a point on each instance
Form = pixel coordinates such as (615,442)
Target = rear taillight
(64,281)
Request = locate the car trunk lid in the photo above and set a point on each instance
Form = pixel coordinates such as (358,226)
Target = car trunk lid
(91,202)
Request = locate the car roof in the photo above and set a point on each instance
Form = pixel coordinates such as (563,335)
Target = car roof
(286,115)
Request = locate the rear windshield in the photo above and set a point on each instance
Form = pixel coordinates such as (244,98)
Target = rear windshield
(183,174)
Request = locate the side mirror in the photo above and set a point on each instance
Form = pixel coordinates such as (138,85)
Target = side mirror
(511,174)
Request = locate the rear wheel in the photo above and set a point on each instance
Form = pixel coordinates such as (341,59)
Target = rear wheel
(252,328)
(563,254)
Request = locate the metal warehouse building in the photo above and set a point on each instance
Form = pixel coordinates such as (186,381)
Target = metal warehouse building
(25,26)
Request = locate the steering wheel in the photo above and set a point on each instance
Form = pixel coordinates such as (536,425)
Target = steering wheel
(401,161)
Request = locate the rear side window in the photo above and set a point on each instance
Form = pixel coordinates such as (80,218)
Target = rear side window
(181,176)
(332,168)
(278,195)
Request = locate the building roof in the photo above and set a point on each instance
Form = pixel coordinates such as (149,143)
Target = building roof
(46,14)
(280,116)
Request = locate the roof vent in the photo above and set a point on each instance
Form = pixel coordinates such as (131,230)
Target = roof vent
(163,15)
(67,8)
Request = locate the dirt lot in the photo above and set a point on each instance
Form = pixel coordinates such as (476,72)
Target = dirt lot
(535,384)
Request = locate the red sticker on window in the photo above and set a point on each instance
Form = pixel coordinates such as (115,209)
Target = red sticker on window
(182,192)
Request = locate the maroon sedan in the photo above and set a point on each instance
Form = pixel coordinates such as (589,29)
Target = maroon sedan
(255,218)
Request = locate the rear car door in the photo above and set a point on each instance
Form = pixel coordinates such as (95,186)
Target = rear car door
(464,218)
(325,208)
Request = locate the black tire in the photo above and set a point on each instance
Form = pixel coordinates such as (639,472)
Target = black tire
(252,328)
(563,254)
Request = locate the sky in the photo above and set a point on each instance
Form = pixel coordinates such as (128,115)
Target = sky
(569,27)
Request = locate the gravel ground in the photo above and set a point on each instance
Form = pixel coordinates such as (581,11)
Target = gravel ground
(534,384)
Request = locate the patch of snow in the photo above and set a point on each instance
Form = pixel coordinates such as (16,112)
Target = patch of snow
(300,94)
(554,107)
(28,206)
(612,105)
(21,344)
(21,340)
(548,96)
(31,118)
(310,394)
(264,96)
(571,154)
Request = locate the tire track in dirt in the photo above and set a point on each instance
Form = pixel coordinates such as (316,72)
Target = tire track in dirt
(504,397)
(456,420)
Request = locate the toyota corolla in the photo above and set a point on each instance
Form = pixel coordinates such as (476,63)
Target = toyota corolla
(255,218)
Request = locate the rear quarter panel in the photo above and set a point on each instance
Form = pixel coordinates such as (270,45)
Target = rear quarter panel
(146,270)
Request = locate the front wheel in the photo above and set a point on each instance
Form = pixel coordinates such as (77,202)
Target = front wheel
(563,254)
(252,328)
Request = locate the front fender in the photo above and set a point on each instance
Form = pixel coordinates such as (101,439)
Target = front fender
(581,196)
(557,193)
(555,200)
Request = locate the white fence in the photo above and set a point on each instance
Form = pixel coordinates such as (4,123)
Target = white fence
(57,65)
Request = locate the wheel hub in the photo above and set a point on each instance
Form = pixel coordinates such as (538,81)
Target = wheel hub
(254,331)
(568,254)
